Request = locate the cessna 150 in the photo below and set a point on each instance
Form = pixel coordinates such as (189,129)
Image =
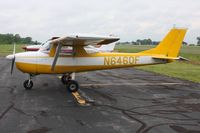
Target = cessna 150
(50,59)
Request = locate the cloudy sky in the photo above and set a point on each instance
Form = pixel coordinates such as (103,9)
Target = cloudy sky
(129,19)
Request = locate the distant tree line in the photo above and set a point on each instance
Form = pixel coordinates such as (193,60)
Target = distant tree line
(198,41)
(150,42)
(141,42)
(11,38)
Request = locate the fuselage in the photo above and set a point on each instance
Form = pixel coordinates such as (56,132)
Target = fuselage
(40,62)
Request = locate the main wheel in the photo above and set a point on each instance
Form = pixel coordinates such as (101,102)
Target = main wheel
(72,86)
(28,84)
(65,79)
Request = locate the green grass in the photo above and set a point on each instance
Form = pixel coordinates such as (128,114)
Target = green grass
(183,70)
(6,49)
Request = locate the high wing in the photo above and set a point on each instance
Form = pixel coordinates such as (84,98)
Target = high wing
(84,40)
(76,40)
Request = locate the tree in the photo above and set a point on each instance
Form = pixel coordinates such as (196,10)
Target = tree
(10,39)
(155,42)
(17,38)
(138,42)
(27,40)
(185,43)
(133,43)
(198,40)
(144,42)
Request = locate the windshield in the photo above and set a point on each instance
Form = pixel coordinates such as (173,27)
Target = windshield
(45,46)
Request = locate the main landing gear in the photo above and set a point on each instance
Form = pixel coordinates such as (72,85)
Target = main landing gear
(69,81)
(28,84)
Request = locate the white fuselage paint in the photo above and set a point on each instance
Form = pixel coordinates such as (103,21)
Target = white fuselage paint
(41,58)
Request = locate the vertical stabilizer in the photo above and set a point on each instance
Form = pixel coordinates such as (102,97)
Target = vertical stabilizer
(170,45)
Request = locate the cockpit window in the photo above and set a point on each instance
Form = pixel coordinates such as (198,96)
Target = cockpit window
(45,47)
(66,50)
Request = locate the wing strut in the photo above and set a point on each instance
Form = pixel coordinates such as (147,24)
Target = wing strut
(73,51)
(56,56)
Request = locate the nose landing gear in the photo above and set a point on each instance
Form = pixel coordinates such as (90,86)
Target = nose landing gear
(28,84)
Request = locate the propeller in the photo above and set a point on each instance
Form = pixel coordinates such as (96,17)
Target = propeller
(13,60)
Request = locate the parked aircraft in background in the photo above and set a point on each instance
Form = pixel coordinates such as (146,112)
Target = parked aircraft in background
(32,47)
(52,58)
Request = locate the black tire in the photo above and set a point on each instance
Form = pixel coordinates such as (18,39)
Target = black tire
(65,79)
(28,84)
(72,86)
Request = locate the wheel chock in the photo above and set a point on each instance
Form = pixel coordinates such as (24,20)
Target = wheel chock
(79,99)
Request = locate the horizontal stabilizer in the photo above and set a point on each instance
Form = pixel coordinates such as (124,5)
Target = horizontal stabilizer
(183,59)
(170,58)
(165,57)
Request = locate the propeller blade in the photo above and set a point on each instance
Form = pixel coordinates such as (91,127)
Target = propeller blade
(12,65)
(13,60)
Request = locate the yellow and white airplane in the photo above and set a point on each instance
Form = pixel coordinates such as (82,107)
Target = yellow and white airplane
(51,59)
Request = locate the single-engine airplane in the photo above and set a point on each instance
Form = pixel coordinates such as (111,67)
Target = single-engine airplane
(51,59)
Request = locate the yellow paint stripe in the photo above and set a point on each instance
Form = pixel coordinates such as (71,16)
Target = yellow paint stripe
(46,69)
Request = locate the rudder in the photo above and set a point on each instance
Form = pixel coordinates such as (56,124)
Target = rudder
(170,45)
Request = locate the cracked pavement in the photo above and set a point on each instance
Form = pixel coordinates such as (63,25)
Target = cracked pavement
(122,100)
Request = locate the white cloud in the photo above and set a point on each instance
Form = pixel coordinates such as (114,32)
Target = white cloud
(129,19)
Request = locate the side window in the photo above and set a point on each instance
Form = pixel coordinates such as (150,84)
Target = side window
(47,49)
(66,50)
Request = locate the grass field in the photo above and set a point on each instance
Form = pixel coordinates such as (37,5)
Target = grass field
(6,49)
(184,70)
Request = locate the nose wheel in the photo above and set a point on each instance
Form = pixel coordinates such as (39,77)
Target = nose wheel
(28,84)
